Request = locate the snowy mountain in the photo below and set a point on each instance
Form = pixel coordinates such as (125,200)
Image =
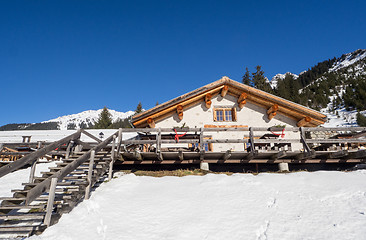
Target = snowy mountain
(349,59)
(278,77)
(86,118)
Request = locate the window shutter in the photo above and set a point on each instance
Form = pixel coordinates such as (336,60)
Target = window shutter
(215,116)
(234,114)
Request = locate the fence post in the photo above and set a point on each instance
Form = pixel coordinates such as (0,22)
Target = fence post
(303,140)
(68,149)
(119,141)
(33,167)
(112,158)
(51,199)
(90,175)
(251,138)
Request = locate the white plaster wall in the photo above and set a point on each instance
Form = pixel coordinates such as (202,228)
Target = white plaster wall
(250,115)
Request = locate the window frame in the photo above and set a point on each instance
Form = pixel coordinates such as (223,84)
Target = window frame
(224,117)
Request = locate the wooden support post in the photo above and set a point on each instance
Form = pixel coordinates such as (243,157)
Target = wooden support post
(251,139)
(119,141)
(68,149)
(180,155)
(32,171)
(137,155)
(151,122)
(224,91)
(158,142)
(51,199)
(33,167)
(227,155)
(303,121)
(158,146)
(110,173)
(202,146)
(272,111)
(303,140)
(180,112)
(208,101)
(90,175)
(280,154)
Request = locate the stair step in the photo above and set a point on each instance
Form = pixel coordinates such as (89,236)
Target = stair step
(79,168)
(40,206)
(17,229)
(63,164)
(22,216)
(59,184)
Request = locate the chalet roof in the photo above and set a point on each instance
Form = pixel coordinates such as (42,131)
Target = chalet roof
(256,96)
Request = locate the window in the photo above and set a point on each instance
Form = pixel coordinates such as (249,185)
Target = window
(224,114)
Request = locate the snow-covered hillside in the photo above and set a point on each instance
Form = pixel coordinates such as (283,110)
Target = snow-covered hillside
(348,65)
(348,59)
(86,118)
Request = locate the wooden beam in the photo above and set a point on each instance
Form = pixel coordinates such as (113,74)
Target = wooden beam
(208,101)
(273,108)
(224,91)
(242,100)
(272,111)
(91,135)
(180,155)
(242,97)
(272,115)
(242,104)
(151,122)
(180,112)
(227,155)
(303,121)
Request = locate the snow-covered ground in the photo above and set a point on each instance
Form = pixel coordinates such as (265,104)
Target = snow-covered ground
(14,180)
(302,205)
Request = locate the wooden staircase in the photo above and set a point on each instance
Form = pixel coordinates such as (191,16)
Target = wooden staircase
(44,199)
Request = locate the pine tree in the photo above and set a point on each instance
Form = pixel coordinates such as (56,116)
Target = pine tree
(259,80)
(104,120)
(138,108)
(246,78)
(361,120)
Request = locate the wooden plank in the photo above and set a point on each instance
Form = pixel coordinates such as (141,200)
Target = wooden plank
(39,153)
(227,155)
(336,140)
(91,136)
(90,175)
(110,172)
(303,140)
(51,199)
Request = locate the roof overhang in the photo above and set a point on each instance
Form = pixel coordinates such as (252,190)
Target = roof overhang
(256,96)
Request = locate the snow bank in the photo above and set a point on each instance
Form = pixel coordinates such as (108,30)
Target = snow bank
(14,180)
(318,205)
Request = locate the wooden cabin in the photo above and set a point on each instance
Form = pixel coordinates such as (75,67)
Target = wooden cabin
(229,104)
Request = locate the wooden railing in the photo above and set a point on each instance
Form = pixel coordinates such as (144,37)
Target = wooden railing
(250,134)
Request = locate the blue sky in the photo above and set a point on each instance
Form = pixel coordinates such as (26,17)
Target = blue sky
(64,57)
